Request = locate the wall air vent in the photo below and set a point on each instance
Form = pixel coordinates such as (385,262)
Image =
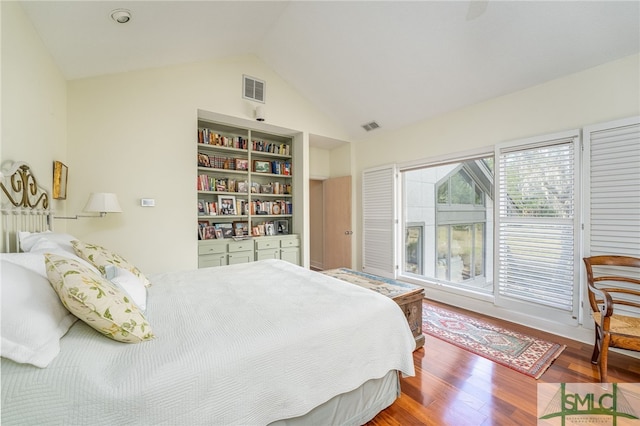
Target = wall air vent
(253,89)
(370,126)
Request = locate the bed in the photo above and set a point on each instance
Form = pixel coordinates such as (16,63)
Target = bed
(261,343)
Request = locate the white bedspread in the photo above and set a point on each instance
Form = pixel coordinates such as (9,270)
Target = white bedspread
(243,344)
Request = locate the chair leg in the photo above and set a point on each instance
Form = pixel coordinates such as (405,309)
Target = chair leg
(604,354)
(597,344)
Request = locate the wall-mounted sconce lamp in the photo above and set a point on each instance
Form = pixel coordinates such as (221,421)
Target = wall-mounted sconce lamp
(99,202)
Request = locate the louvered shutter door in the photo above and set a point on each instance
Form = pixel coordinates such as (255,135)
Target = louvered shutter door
(378,221)
(612,198)
(537,225)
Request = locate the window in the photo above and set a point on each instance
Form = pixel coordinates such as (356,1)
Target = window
(453,205)
(529,230)
(537,224)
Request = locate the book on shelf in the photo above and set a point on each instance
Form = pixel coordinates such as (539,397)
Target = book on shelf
(203,183)
(209,137)
(276,207)
(276,188)
(222,162)
(281,168)
(271,147)
(207,208)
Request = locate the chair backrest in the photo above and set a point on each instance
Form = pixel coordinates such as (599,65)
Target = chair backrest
(617,275)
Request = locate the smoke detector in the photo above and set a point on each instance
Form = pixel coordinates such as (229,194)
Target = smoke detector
(121,16)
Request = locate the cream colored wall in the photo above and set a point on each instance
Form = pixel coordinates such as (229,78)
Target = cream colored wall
(34,101)
(319,163)
(603,93)
(134,134)
(341,160)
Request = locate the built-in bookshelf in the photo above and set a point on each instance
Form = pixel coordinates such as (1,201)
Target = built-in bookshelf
(244,183)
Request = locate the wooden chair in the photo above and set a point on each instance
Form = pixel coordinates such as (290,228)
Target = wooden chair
(615,302)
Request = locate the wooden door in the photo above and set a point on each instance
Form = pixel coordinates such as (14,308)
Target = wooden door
(337,222)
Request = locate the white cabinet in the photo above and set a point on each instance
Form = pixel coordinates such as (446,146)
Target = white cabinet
(221,252)
(212,253)
(240,252)
(286,247)
(267,248)
(290,249)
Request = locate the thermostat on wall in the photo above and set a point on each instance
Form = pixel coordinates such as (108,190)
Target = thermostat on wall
(147,202)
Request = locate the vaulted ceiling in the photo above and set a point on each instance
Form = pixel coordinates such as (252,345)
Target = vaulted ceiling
(392,62)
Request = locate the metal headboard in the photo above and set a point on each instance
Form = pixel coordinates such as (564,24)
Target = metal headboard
(24,204)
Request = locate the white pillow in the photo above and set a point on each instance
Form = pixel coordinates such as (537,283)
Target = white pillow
(33,318)
(29,239)
(129,283)
(45,245)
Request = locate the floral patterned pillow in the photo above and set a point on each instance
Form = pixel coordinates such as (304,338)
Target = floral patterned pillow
(96,301)
(100,257)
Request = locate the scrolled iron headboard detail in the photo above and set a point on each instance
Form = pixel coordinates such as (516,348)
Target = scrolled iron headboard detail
(24,204)
(24,184)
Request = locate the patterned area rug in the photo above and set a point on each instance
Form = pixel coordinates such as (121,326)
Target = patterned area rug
(526,354)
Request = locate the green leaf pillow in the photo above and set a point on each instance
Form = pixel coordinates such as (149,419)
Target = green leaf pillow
(100,257)
(96,301)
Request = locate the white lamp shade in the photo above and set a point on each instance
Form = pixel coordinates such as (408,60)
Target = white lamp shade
(103,202)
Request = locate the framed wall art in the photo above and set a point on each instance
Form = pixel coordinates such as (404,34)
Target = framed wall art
(60,174)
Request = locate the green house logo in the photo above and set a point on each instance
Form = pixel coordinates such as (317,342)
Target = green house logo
(590,403)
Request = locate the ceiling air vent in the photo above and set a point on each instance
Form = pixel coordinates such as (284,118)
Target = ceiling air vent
(370,126)
(253,89)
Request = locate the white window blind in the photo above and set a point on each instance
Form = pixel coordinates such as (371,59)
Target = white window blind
(378,221)
(536,232)
(612,194)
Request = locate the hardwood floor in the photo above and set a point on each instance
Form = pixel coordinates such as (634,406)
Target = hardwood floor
(455,387)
